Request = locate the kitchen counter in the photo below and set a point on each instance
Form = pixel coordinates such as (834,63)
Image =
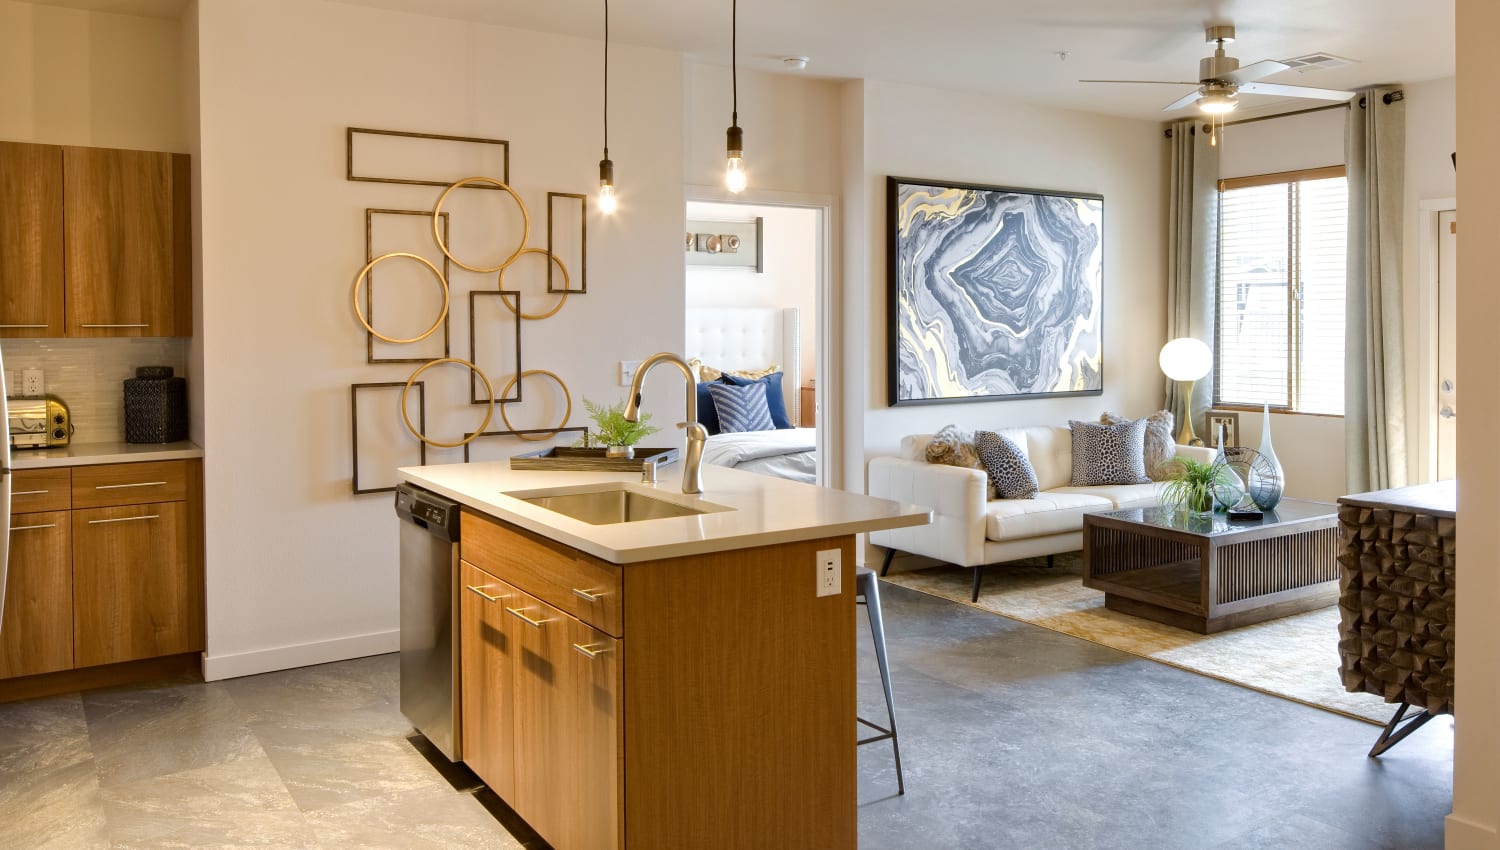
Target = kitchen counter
(89,454)
(764,510)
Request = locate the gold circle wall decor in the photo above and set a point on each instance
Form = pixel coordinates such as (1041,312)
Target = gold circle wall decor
(488,414)
(567,414)
(437,234)
(536,317)
(365,272)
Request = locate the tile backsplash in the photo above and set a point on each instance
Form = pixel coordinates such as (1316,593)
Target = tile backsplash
(88,375)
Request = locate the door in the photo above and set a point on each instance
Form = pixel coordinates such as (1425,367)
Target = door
(38,633)
(542,717)
(487,646)
(594,751)
(31,229)
(1447,400)
(134,592)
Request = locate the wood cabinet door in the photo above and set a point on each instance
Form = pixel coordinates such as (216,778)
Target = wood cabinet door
(593,754)
(542,721)
(137,592)
(487,646)
(122,226)
(31,233)
(36,634)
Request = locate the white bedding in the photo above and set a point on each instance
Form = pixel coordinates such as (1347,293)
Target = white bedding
(785,452)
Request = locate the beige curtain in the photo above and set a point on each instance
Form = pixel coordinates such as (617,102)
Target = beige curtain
(1374,395)
(1192,254)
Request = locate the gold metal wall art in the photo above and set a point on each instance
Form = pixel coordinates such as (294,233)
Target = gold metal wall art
(370,357)
(354,132)
(583,241)
(474,297)
(442,241)
(537,435)
(536,317)
(365,272)
(489,412)
(354,429)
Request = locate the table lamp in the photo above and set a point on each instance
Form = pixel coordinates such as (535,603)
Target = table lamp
(1186,360)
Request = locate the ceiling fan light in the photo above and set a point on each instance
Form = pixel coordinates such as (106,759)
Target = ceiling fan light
(1217,103)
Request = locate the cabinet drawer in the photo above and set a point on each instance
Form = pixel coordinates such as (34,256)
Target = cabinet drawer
(41,490)
(571,581)
(129,484)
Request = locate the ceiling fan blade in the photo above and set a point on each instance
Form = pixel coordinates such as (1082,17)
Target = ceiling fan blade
(1147,82)
(1192,97)
(1250,73)
(1279,90)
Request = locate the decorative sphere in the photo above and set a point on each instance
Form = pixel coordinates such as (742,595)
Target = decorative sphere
(1186,359)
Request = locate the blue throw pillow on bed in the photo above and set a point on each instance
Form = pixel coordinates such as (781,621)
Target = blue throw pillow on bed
(775,401)
(708,417)
(742,407)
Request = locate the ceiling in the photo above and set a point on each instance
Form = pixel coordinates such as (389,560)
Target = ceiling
(1009,46)
(170,9)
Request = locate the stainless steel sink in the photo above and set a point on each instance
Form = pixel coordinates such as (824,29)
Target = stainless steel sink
(614,505)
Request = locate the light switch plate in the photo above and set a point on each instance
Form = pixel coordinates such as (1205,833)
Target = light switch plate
(830,569)
(627,371)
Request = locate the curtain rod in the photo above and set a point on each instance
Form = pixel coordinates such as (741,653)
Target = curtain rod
(1389,98)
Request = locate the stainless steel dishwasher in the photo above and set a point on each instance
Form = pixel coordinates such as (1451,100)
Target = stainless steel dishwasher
(429,622)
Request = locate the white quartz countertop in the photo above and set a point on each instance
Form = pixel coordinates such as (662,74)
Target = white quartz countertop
(88,454)
(763,510)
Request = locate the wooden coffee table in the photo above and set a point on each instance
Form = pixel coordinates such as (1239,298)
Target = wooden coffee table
(1207,574)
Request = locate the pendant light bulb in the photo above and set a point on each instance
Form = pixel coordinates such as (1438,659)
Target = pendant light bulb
(734,171)
(608,203)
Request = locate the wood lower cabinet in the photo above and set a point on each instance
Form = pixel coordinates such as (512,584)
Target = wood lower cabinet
(31,231)
(488,638)
(592,747)
(38,634)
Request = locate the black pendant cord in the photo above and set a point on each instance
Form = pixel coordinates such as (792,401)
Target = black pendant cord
(606,79)
(734,65)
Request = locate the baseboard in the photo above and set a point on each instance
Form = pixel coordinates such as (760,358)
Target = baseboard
(234,665)
(1462,834)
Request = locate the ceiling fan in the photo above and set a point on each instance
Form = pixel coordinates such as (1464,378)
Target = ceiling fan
(1222,80)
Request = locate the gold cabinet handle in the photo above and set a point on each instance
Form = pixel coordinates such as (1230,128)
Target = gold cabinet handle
(124,519)
(589,651)
(139,325)
(8,327)
(125,486)
(30,492)
(535,624)
(33,527)
(480,591)
(589,595)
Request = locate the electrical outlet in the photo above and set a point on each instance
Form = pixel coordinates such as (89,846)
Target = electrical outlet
(830,566)
(627,371)
(31,383)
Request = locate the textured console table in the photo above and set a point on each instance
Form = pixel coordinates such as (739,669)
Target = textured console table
(1396,582)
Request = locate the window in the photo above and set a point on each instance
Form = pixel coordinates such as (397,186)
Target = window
(1280,315)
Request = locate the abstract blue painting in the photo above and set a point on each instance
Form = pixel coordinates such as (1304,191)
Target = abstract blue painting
(995,293)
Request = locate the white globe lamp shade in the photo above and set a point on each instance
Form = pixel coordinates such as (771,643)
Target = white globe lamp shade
(1186,359)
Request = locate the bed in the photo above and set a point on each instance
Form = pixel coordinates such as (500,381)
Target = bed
(732,339)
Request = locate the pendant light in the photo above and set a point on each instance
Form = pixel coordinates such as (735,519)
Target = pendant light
(607,200)
(734,173)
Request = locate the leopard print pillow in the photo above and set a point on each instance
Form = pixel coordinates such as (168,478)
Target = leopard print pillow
(1009,470)
(1161,448)
(1109,454)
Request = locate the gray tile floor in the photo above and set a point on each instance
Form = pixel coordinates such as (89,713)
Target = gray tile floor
(1013,737)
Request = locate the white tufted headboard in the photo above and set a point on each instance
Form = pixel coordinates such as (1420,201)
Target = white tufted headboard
(751,338)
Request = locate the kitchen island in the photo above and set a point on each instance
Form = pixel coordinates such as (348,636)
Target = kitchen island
(680,681)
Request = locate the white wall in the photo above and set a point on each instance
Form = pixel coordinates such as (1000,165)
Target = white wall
(300,571)
(790,279)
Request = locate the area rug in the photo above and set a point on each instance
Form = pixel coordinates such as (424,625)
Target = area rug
(1294,657)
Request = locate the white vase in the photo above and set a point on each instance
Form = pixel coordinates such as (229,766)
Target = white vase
(1269,495)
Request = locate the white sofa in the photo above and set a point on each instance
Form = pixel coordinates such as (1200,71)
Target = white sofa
(971,530)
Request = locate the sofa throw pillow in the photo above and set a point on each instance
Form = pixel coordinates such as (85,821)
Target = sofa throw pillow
(711,373)
(953,446)
(1161,448)
(1009,470)
(741,408)
(775,400)
(708,416)
(1109,454)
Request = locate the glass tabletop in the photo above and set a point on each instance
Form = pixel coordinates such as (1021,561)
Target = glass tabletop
(1213,525)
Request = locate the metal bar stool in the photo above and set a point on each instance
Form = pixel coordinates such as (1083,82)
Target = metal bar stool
(867,593)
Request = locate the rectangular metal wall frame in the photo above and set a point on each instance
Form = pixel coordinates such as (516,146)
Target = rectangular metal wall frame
(571,429)
(370,287)
(354,431)
(582,272)
(474,355)
(349,157)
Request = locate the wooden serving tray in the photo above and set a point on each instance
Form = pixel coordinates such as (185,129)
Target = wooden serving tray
(568,458)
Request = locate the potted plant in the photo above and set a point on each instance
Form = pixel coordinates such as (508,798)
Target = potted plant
(613,431)
(1191,487)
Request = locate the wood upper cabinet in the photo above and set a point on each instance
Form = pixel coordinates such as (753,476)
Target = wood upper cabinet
(488,641)
(137,590)
(38,617)
(128,244)
(31,240)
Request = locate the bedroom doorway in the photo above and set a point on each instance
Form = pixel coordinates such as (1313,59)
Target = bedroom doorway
(754,290)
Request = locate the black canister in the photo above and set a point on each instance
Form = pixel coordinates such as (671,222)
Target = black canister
(155,406)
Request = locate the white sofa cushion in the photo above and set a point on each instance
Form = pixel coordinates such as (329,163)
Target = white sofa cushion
(1050,451)
(1119,495)
(1051,512)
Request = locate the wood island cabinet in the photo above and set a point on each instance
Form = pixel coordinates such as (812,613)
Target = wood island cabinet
(38,633)
(726,679)
(31,231)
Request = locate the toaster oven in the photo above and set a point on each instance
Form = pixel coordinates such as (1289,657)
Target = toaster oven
(38,423)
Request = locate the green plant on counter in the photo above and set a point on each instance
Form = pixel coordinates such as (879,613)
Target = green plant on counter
(611,428)
(1192,486)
